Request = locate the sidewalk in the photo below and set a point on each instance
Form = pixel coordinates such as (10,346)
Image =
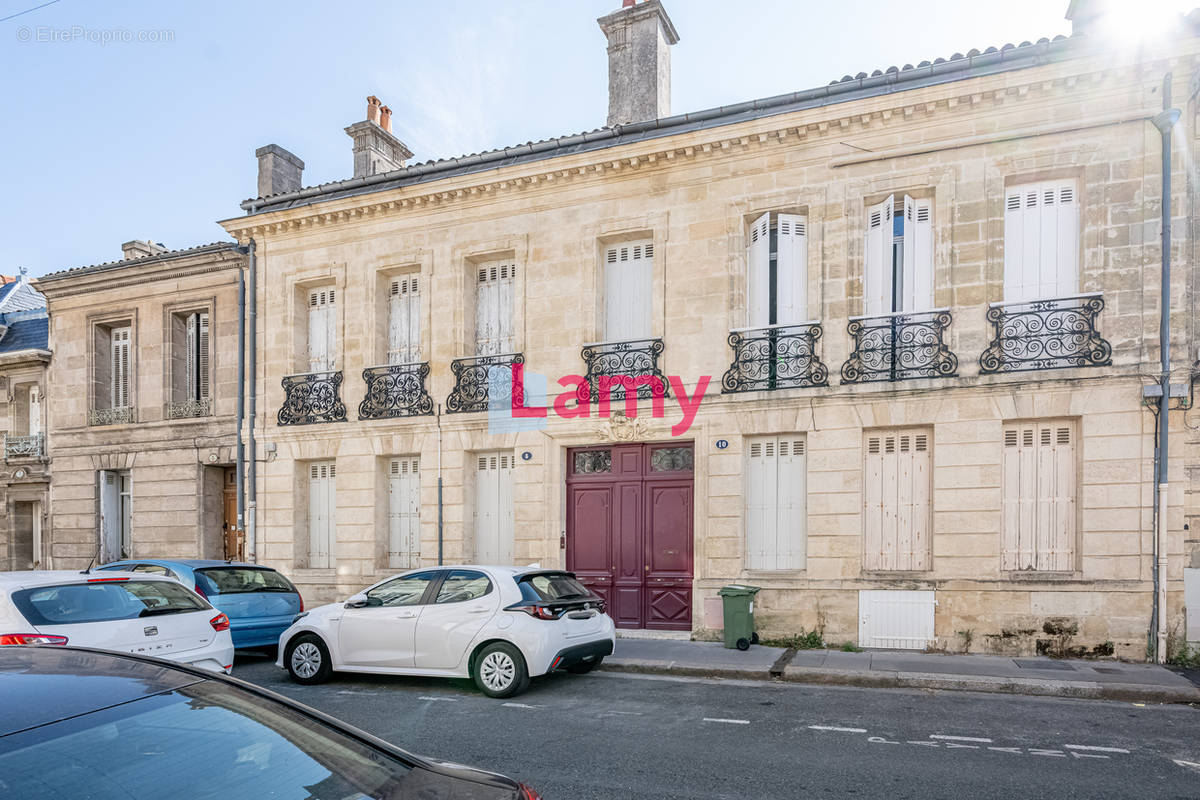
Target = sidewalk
(1034,675)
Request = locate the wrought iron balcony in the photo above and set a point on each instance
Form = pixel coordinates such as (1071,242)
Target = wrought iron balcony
(897,347)
(473,379)
(395,390)
(775,357)
(118,415)
(312,397)
(1046,334)
(25,446)
(189,409)
(635,361)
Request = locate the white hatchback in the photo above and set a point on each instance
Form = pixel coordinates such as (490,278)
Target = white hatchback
(500,626)
(127,612)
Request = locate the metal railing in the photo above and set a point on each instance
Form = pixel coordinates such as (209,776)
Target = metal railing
(395,390)
(312,397)
(900,346)
(622,366)
(1045,334)
(188,409)
(473,379)
(775,357)
(25,446)
(118,415)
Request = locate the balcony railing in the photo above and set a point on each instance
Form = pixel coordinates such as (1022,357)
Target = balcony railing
(312,397)
(25,446)
(395,390)
(189,409)
(1046,334)
(897,347)
(473,380)
(775,357)
(636,361)
(119,415)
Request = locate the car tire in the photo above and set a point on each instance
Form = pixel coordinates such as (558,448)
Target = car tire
(584,667)
(500,670)
(307,660)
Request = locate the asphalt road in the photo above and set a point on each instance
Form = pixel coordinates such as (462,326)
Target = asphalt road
(608,736)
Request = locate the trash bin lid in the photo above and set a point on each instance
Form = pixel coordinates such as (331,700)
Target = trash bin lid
(737,590)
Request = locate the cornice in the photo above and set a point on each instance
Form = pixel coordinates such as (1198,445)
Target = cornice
(136,274)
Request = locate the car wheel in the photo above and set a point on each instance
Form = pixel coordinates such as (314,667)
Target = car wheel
(584,667)
(307,660)
(500,670)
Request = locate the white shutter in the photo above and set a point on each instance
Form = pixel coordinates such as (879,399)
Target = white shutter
(758,260)
(322,510)
(1039,497)
(791,269)
(792,505)
(494,508)
(761,481)
(918,285)
(404,321)
(494,297)
(404,513)
(202,356)
(877,280)
(628,281)
(322,330)
(905,271)
(1041,241)
(120,367)
(1067,236)
(776,503)
(35,410)
(896,504)
(193,337)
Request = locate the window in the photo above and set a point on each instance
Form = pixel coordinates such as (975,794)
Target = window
(189,357)
(494,508)
(461,585)
(322,514)
(404,591)
(71,604)
(777,263)
(404,320)
(899,257)
(322,330)
(1041,241)
(404,513)
(242,580)
(628,280)
(776,503)
(1039,496)
(116,514)
(494,291)
(896,505)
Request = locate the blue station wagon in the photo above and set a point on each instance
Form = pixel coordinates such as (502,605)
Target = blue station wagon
(260,602)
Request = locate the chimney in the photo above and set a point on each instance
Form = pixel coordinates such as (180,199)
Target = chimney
(140,249)
(278,170)
(640,36)
(1085,15)
(376,149)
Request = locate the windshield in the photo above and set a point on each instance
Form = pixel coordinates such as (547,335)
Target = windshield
(555,586)
(240,580)
(103,602)
(203,741)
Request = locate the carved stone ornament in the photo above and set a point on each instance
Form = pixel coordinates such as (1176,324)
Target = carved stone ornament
(620,428)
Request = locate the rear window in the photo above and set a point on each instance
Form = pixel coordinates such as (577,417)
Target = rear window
(71,604)
(241,580)
(554,586)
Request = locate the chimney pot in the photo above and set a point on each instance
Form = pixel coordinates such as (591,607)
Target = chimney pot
(376,148)
(640,36)
(139,249)
(385,118)
(278,170)
(373,109)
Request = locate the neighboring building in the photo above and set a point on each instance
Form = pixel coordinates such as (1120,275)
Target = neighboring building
(927,299)
(24,478)
(142,410)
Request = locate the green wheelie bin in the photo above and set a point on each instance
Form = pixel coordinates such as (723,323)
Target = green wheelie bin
(738,604)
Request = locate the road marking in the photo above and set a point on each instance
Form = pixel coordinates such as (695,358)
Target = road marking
(1055,753)
(956,746)
(1095,749)
(1187,764)
(730,721)
(1016,750)
(1087,755)
(614,713)
(959,738)
(352,691)
(836,728)
(444,699)
(880,740)
(925,744)
(519,705)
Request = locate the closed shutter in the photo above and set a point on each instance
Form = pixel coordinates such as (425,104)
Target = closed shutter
(791,270)
(494,294)
(120,367)
(322,332)
(404,321)
(628,281)
(202,356)
(35,410)
(918,283)
(404,513)
(758,259)
(1041,241)
(776,503)
(1039,497)
(196,362)
(877,280)
(896,500)
(322,511)
(494,508)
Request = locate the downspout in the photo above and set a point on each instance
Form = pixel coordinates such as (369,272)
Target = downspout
(241,397)
(441,540)
(252,502)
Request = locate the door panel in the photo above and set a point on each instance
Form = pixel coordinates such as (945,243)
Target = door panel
(378,636)
(669,554)
(466,601)
(589,537)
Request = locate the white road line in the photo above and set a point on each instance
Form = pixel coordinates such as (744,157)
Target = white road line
(1055,753)
(730,721)
(1187,764)
(1087,755)
(1016,750)
(1095,749)
(925,744)
(519,705)
(443,699)
(836,728)
(959,738)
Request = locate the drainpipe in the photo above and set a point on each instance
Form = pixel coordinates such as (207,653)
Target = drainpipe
(252,502)
(241,396)
(439,477)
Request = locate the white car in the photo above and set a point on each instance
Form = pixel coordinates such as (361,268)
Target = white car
(498,625)
(127,612)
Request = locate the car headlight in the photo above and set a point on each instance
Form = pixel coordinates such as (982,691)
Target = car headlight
(299,617)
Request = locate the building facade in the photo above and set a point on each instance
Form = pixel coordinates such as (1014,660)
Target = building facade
(142,416)
(904,322)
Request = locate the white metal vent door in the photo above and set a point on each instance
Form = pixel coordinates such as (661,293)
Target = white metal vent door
(900,620)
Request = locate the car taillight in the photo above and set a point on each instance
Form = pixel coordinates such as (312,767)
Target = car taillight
(539,612)
(31,638)
(528,794)
(301,601)
(220,622)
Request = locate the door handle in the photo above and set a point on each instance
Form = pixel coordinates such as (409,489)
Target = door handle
(477,610)
(406,615)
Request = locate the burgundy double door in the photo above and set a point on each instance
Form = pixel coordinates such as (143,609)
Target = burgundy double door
(629,530)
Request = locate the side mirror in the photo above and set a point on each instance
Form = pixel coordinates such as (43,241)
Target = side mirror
(356,600)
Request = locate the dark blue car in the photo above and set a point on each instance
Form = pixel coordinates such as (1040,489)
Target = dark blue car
(259,601)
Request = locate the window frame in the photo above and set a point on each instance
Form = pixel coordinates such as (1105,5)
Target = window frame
(435,580)
(446,575)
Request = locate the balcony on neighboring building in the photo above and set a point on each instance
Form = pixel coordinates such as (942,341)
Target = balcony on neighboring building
(189,409)
(1045,334)
(395,390)
(117,415)
(775,357)
(25,446)
(899,346)
(621,366)
(311,398)
(478,380)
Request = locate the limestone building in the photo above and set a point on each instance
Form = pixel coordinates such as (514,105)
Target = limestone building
(918,308)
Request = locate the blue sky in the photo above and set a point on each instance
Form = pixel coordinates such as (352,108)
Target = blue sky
(109,141)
